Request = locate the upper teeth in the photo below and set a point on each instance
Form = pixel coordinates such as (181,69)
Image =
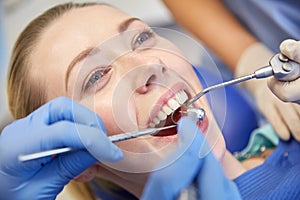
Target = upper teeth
(172,104)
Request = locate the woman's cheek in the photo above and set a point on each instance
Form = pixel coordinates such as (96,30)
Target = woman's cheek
(220,149)
(108,121)
(215,139)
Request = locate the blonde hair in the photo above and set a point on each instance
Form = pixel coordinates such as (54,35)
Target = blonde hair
(25,94)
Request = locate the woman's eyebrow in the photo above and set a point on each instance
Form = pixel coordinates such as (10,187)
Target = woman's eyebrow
(126,23)
(76,60)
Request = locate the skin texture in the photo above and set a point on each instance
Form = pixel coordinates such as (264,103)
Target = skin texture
(139,76)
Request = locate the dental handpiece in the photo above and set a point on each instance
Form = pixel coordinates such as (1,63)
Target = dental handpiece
(260,73)
(284,69)
(281,67)
(113,138)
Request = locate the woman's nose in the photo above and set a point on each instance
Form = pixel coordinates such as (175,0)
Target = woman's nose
(152,74)
(143,70)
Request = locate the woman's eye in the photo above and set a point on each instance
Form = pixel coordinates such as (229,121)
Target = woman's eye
(142,38)
(96,77)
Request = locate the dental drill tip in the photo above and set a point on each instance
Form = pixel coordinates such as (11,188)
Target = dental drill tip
(198,112)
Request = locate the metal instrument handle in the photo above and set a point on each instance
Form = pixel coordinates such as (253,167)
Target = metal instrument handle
(114,138)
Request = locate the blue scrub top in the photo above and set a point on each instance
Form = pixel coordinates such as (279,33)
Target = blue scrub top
(271,21)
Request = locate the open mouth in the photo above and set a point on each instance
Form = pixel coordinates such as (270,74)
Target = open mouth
(163,117)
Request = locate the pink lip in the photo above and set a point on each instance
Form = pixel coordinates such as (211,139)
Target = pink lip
(165,98)
(203,125)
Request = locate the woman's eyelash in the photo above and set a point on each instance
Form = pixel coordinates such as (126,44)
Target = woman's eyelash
(142,37)
(96,76)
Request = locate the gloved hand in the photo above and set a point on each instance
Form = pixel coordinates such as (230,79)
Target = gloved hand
(184,167)
(282,116)
(288,91)
(59,123)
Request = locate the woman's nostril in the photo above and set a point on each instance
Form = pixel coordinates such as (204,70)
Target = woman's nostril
(153,75)
(142,89)
(150,80)
(145,87)
(163,70)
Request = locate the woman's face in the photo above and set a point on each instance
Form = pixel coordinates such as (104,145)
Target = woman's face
(115,65)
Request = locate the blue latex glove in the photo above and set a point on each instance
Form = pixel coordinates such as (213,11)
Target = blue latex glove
(59,123)
(184,167)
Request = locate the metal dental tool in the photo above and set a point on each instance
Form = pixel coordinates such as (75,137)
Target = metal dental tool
(113,138)
(281,67)
(195,114)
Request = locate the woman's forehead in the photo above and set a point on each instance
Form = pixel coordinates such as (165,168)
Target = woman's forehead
(98,22)
(103,13)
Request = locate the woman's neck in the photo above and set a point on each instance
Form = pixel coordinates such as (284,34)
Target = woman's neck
(232,167)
